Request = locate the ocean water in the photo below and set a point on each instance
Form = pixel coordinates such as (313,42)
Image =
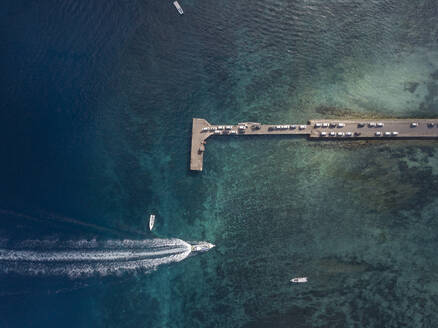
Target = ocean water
(96,106)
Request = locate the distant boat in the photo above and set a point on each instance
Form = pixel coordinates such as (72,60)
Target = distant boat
(299,279)
(151,221)
(201,246)
(178,7)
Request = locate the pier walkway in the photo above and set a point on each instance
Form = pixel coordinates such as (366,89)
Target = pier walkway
(321,129)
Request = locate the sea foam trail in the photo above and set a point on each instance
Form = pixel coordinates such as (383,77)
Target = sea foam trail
(85,258)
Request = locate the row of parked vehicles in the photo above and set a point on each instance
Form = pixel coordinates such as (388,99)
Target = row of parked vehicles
(350,134)
(217,128)
(363,124)
(342,125)
(331,125)
(371,124)
(241,127)
(229,129)
(287,127)
(338,134)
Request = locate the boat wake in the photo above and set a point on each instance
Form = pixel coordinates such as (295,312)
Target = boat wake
(86,258)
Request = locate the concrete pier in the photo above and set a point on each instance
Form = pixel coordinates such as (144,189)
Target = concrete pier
(322,129)
(198,143)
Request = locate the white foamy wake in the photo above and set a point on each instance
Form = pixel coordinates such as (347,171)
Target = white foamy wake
(86,258)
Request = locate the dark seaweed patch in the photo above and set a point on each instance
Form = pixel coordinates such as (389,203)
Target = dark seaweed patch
(434,75)
(411,86)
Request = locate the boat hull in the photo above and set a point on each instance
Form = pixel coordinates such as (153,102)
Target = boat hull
(151,222)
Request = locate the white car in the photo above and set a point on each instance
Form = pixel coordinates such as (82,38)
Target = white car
(302,127)
(378,133)
(341,125)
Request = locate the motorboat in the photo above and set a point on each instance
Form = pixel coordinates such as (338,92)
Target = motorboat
(202,246)
(178,7)
(151,221)
(299,279)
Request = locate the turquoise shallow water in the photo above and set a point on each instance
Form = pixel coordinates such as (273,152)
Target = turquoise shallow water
(359,219)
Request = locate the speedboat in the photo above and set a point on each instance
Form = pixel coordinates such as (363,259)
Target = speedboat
(299,279)
(178,7)
(202,246)
(151,221)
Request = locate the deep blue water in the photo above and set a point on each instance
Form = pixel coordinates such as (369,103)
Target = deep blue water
(96,106)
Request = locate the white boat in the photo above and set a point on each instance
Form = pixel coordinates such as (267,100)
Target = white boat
(178,7)
(202,247)
(299,279)
(151,221)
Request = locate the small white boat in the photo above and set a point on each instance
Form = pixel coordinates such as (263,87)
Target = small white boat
(201,246)
(151,221)
(178,7)
(299,279)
